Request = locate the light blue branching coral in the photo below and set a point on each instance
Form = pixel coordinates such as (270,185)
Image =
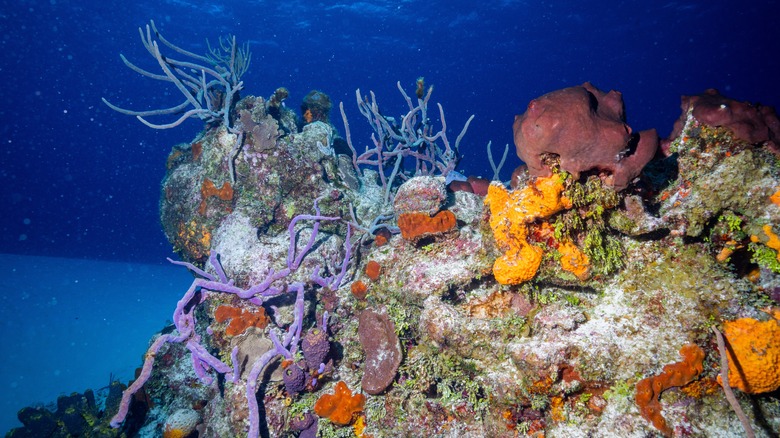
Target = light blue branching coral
(210,84)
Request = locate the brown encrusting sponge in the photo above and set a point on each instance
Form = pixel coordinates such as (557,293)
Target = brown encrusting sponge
(382,348)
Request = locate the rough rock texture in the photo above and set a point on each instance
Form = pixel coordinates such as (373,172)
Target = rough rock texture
(634,219)
(467,207)
(75,415)
(181,423)
(586,129)
(383,350)
(216,176)
(715,174)
(445,325)
(446,263)
(422,194)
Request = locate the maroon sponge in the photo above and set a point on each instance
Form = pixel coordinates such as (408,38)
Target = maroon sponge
(382,348)
(752,123)
(586,128)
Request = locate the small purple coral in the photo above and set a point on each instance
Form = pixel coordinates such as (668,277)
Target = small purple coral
(315,347)
(307,423)
(294,379)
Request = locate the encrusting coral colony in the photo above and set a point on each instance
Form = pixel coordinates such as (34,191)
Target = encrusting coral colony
(374,291)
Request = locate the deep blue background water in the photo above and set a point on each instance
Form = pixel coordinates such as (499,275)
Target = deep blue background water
(79,180)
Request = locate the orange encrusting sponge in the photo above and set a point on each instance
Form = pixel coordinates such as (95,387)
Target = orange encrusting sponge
(341,406)
(510,214)
(241,319)
(754,354)
(416,225)
(676,374)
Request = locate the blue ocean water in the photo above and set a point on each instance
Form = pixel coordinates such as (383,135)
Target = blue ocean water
(71,324)
(80,181)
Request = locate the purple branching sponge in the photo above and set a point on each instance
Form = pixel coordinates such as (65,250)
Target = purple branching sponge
(207,285)
(315,347)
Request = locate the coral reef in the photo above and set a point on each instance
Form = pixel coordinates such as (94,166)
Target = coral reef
(752,123)
(423,194)
(208,190)
(181,423)
(316,107)
(559,307)
(75,415)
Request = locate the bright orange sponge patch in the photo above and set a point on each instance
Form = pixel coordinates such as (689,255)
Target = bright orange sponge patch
(754,354)
(775,198)
(574,260)
(241,319)
(341,406)
(675,374)
(510,214)
(416,225)
(173,433)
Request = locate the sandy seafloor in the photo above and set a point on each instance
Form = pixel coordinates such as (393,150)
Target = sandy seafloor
(68,324)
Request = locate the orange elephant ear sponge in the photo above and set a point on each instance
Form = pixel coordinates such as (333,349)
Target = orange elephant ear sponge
(754,354)
(241,319)
(341,406)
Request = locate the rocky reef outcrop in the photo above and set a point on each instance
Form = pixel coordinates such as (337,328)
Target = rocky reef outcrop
(580,303)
